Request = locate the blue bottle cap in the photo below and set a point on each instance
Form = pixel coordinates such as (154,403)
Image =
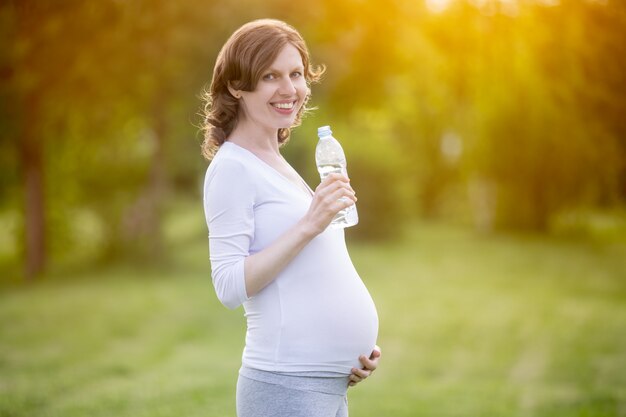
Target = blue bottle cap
(324,131)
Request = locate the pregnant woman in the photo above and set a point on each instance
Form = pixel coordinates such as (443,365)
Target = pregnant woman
(311,323)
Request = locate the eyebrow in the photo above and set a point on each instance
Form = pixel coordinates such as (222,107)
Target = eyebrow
(299,67)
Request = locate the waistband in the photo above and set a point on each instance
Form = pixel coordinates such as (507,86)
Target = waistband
(324,382)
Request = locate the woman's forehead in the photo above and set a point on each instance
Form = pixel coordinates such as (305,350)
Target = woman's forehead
(289,56)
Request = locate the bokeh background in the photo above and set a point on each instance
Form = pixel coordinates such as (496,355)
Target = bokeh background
(486,140)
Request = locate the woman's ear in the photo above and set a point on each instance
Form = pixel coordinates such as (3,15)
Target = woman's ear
(233,92)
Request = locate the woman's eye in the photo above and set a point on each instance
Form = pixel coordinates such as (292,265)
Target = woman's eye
(296,74)
(269,77)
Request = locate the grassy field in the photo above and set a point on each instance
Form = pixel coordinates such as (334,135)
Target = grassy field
(470,326)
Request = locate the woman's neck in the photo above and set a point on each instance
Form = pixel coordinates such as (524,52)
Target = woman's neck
(258,141)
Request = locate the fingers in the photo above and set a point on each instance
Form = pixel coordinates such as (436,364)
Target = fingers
(356,378)
(341,196)
(359,374)
(376,352)
(369,364)
(332,195)
(336,188)
(334,177)
(335,194)
(334,180)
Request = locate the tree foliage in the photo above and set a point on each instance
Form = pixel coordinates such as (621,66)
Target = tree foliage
(508,112)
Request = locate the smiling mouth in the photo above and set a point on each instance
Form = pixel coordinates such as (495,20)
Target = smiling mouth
(284,106)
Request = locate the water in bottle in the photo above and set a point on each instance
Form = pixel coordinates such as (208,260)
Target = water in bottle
(329,157)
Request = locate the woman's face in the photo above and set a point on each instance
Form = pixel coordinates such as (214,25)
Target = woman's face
(279,94)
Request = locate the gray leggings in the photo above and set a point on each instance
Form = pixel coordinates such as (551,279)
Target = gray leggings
(264,399)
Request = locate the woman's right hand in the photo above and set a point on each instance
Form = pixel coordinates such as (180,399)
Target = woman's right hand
(328,201)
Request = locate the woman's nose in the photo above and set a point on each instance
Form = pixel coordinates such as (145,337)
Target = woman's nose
(287,87)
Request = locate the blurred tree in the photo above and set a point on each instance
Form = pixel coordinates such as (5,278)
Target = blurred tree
(514,108)
(520,82)
(545,147)
(31,75)
(105,94)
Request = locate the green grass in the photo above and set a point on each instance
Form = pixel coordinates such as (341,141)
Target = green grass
(470,325)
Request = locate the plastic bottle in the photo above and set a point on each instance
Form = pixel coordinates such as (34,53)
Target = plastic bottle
(329,157)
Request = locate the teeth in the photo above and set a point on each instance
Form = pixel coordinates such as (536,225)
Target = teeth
(283,105)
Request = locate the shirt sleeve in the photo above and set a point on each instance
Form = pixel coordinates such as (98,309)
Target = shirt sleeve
(229,210)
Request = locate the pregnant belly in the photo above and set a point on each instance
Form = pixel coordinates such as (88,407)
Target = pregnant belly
(330,325)
(316,315)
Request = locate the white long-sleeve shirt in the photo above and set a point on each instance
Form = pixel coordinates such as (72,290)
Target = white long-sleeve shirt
(317,314)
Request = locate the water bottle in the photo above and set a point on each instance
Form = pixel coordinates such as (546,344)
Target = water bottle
(330,158)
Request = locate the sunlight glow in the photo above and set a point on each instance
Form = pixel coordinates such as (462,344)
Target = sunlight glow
(491,7)
(437,6)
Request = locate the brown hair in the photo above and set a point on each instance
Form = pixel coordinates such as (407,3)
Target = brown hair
(245,55)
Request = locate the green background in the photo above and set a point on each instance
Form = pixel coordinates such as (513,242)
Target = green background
(486,140)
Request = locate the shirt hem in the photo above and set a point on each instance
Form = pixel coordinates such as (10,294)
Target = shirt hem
(342,370)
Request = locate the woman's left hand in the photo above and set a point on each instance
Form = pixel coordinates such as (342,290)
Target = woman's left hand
(369,365)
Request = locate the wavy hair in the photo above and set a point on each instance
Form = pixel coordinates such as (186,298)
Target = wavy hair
(249,51)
